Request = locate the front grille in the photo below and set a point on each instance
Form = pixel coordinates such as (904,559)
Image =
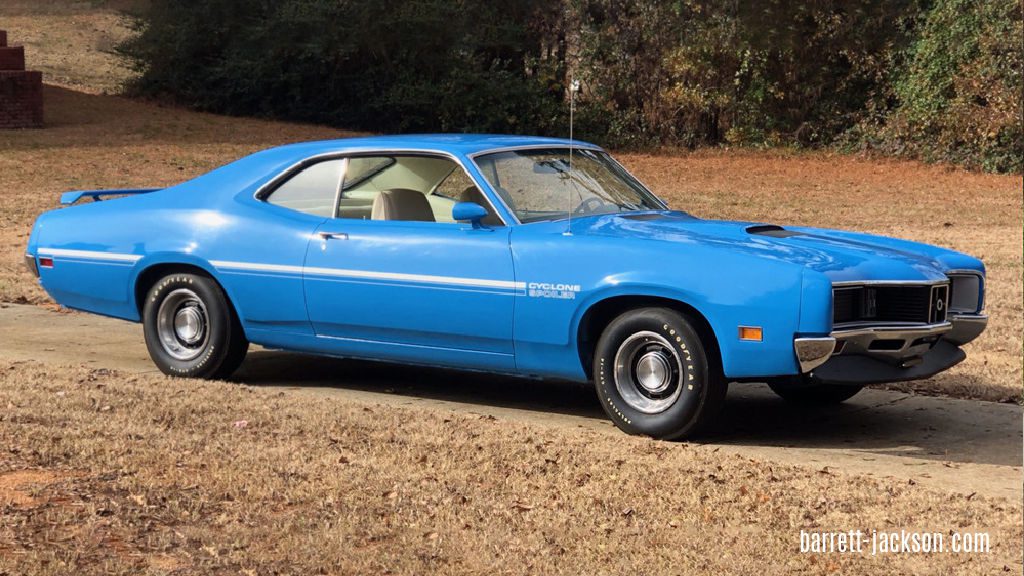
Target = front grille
(905,304)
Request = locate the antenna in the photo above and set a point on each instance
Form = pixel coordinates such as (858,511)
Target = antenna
(574,87)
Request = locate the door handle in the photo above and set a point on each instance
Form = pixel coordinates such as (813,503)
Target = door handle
(332,235)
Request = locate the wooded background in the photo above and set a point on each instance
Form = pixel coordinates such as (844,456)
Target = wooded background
(939,80)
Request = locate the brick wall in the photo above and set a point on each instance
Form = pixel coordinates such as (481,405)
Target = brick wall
(12,58)
(21,91)
(21,99)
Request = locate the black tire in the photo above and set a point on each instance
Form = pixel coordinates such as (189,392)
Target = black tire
(208,342)
(805,394)
(657,347)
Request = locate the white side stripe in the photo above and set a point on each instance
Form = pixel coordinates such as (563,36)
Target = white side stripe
(337,272)
(256,267)
(89,255)
(366,274)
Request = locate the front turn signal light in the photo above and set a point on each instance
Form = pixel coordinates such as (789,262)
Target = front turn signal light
(750,333)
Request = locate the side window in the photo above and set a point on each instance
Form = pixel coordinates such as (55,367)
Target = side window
(458,187)
(409,187)
(312,190)
(360,187)
(455,184)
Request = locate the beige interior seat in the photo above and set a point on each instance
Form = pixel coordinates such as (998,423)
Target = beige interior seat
(402,204)
(473,194)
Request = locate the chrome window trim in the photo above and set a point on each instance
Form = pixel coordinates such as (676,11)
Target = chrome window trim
(532,147)
(664,204)
(266,189)
(336,209)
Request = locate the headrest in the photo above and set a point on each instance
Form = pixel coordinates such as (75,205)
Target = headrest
(402,204)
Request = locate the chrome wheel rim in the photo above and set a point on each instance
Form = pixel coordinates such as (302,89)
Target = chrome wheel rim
(183,325)
(647,372)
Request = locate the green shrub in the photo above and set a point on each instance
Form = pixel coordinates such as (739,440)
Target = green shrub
(959,97)
(384,65)
(934,79)
(758,72)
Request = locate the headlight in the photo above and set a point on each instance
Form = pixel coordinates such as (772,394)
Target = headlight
(966,293)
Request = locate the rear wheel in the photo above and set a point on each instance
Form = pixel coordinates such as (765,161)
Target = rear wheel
(801,392)
(191,329)
(653,376)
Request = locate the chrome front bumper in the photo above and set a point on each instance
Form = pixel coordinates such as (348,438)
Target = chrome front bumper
(901,346)
(966,327)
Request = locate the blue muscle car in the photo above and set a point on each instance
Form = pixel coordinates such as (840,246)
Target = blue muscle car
(531,256)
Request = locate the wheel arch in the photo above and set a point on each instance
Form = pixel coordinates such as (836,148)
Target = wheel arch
(600,313)
(152,270)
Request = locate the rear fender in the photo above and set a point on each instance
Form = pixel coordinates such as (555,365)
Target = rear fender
(169,260)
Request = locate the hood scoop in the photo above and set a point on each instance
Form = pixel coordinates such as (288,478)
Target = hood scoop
(771,230)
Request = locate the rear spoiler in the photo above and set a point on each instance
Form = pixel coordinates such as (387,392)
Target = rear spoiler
(97,195)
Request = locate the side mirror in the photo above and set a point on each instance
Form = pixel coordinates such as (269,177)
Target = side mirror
(469,212)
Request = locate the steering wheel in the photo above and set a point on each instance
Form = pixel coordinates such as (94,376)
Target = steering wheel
(589,205)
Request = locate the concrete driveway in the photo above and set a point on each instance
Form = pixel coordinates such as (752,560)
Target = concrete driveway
(943,443)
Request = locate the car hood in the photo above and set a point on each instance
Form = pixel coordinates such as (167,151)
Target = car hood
(842,256)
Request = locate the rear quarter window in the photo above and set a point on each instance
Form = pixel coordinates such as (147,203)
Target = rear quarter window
(312,190)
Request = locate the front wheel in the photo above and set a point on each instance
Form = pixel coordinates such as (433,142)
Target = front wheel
(191,329)
(653,375)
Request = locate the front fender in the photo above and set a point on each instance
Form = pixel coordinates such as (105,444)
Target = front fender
(728,288)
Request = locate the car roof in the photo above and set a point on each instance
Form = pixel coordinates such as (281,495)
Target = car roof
(462,144)
(258,168)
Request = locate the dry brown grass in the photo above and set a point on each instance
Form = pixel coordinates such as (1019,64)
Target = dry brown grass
(71,43)
(125,474)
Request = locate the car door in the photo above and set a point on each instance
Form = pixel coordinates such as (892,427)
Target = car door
(424,291)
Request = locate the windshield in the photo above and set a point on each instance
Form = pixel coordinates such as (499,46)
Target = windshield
(537,184)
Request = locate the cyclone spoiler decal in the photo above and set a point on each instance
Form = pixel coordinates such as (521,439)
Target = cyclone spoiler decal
(548,290)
